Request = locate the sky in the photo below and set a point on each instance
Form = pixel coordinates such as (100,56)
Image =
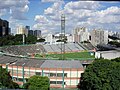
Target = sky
(45,15)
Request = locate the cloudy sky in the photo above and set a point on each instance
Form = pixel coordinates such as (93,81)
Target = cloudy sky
(45,15)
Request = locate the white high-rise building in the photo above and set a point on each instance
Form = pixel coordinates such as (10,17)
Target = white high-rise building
(22,30)
(52,39)
(99,36)
(81,34)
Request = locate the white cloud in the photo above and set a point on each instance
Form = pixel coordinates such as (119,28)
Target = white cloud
(18,13)
(55,8)
(41,19)
(51,0)
(92,5)
(14,23)
(2,12)
(81,13)
(17,8)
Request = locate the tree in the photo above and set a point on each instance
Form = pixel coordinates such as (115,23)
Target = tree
(31,39)
(6,80)
(101,75)
(17,40)
(41,40)
(116,59)
(37,83)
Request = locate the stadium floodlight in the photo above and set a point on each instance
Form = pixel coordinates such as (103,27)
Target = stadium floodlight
(62,37)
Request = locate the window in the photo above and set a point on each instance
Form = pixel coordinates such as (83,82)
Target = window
(38,73)
(52,74)
(59,82)
(20,79)
(59,74)
(56,82)
(52,82)
(65,74)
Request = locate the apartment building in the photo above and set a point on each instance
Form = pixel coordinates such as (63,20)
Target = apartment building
(81,34)
(99,36)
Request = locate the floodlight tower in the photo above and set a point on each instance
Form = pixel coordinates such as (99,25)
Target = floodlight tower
(62,36)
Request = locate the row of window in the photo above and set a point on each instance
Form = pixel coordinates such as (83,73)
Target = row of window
(53,74)
(39,73)
(51,82)
(57,82)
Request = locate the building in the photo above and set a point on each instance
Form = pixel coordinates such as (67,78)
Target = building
(62,74)
(23,30)
(49,38)
(4,28)
(37,33)
(112,54)
(99,36)
(27,27)
(53,39)
(30,32)
(81,34)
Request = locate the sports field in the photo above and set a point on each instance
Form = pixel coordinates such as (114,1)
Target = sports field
(73,55)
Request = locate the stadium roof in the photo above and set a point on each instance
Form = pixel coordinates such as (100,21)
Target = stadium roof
(61,64)
(28,62)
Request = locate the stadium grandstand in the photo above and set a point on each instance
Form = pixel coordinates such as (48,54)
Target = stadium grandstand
(18,60)
(87,46)
(24,50)
(73,51)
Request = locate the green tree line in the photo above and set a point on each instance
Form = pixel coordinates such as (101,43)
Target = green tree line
(102,74)
(17,40)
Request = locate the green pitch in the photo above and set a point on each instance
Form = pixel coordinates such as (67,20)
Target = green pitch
(73,55)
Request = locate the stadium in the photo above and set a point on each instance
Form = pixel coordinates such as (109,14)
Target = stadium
(24,61)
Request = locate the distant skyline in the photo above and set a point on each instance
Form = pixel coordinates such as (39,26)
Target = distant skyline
(45,15)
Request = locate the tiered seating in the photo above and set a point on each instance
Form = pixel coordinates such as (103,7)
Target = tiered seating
(73,47)
(69,47)
(89,46)
(77,46)
(55,48)
(26,50)
(23,50)
(48,48)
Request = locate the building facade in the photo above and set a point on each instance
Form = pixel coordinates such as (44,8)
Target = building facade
(4,28)
(52,39)
(81,34)
(22,30)
(62,74)
(99,36)
(30,32)
(37,33)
